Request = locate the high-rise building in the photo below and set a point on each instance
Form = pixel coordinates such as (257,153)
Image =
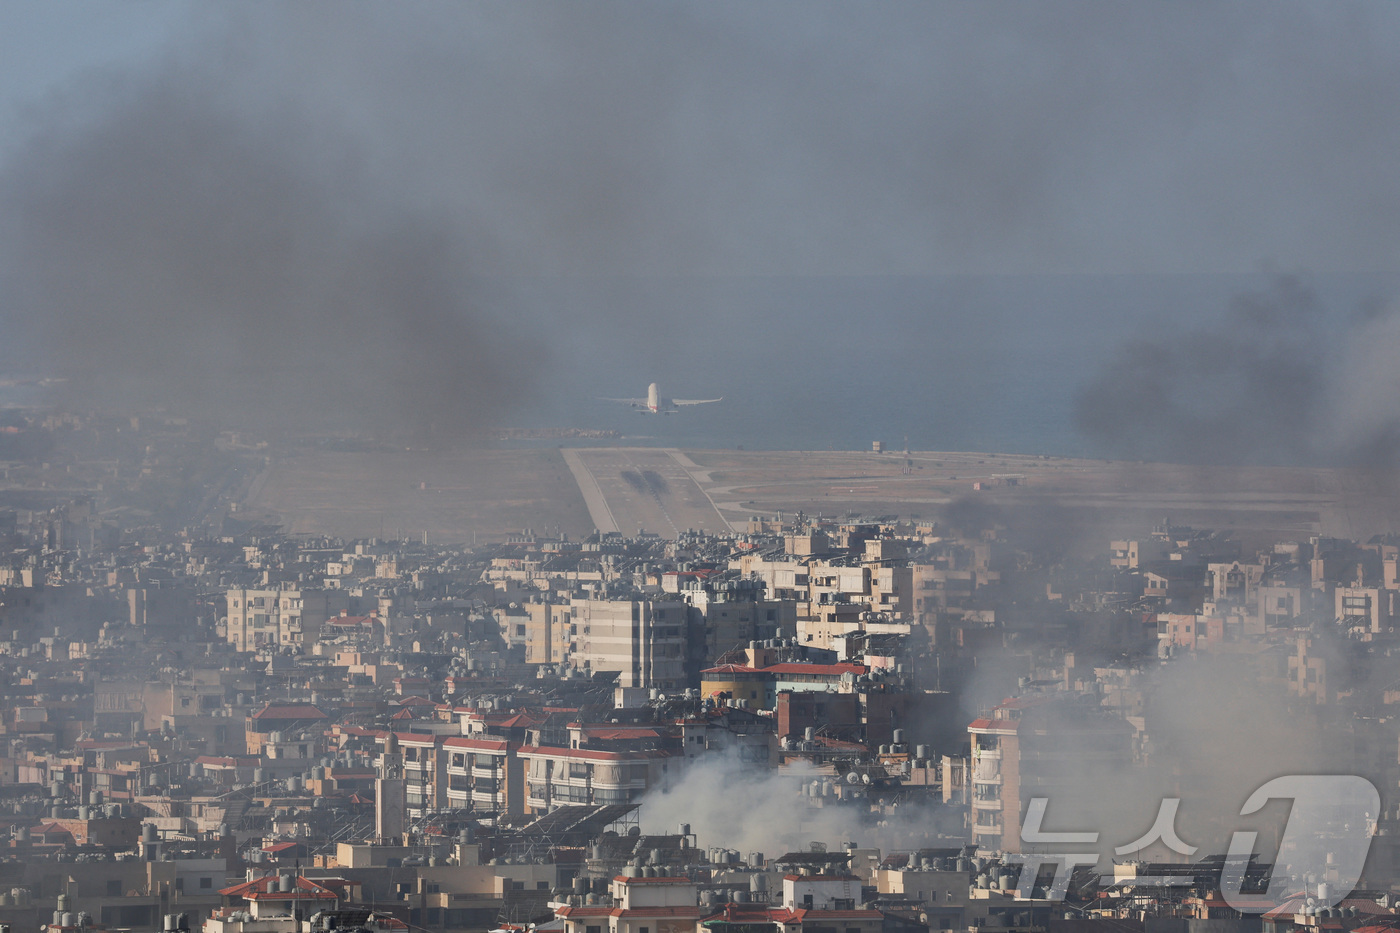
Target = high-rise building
(1037,747)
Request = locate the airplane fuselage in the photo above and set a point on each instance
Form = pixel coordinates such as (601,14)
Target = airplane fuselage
(657,405)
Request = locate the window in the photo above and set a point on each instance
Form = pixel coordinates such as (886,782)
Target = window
(114,888)
(520,630)
(206,883)
(542,885)
(179,884)
(593,929)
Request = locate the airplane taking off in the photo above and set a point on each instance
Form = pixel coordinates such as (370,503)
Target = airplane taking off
(654,404)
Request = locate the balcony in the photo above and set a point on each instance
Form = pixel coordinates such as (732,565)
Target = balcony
(639,784)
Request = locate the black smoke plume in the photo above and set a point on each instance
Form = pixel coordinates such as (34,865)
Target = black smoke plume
(187,251)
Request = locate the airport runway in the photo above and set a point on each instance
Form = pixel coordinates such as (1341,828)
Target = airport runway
(631,489)
(486,495)
(592,495)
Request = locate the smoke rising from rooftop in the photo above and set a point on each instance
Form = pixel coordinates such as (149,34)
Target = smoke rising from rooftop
(730,803)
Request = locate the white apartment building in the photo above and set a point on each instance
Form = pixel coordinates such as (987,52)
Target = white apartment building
(290,618)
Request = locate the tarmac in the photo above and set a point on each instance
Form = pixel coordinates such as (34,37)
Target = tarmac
(487,495)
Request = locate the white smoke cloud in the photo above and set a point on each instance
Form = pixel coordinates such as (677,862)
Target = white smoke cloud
(735,805)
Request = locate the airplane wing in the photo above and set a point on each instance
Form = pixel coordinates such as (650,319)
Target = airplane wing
(625,401)
(695,401)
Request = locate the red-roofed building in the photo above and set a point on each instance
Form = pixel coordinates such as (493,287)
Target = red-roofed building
(640,905)
(284,894)
(556,777)
(458,771)
(367,628)
(287,852)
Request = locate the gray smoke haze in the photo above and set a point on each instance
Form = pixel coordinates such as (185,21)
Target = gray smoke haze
(728,803)
(1212,730)
(820,139)
(373,184)
(1216,729)
(180,251)
(1280,378)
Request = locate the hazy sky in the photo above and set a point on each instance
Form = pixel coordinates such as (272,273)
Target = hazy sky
(596,189)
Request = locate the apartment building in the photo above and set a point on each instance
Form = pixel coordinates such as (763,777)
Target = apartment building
(639,905)
(483,774)
(643,641)
(1035,747)
(557,777)
(290,618)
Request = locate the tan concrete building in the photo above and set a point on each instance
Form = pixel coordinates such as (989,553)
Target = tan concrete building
(290,618)
(642,640)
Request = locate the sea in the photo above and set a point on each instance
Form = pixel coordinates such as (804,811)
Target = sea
(987,363)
